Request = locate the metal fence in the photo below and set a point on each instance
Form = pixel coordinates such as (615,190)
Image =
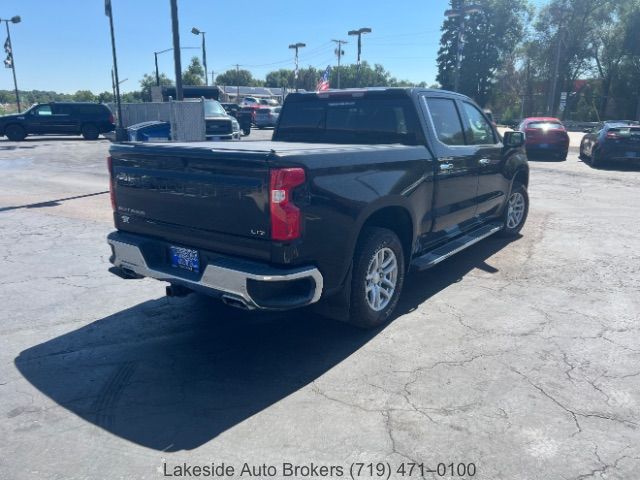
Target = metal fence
(186,118)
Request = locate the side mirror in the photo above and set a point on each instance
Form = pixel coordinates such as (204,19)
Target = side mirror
(513,139)
(586,130)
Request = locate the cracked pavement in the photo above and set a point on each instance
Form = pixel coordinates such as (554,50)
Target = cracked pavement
(522,358)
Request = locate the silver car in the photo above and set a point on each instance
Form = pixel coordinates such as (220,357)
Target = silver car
(267,116)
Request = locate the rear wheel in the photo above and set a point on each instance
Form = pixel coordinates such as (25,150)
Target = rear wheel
(378,276)
(516,211)
(246,131)
(596,158)
(90,131)
(15,133)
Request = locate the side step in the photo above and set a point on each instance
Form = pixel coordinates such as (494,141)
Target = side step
(434,257)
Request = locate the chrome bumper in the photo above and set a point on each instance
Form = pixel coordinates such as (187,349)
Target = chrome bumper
(228,281)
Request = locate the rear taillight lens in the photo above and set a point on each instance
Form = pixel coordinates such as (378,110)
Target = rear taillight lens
(285,216)
(112,119)
(112,194)
(612,135)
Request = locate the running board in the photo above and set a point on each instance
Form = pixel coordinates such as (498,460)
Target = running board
(434,257)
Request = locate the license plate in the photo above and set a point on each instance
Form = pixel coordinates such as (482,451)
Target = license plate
(631,154)
(544,145)
(185,258)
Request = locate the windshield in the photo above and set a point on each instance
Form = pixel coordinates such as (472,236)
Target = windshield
(368,119)
(213,108)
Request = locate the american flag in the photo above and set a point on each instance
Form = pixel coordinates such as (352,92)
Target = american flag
(323,84)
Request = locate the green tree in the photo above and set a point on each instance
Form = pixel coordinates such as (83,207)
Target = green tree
(148,81)
(489,37)
(194,74)
(84,96)
(241,77)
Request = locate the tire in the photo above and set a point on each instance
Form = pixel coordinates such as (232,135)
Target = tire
(378,249)
(562,156)
(90,131)
(15,133)
(581,155)
(596,159)
(246,131)
(515,211)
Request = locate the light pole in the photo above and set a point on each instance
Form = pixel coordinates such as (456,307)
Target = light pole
(10,61)
(339,53)
(461,12)
(359,33)
(155,54)
(196,31)
(296,47)
(175,27)
(121,133)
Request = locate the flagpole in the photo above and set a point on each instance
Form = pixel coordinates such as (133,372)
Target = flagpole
(13,66)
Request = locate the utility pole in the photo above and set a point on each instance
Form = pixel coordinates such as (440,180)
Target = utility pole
(359,33)
(556,65)
(121,133)
(296,47)
(461,12)
(176,49)
(213,78)
(238,83)
(197,31)
(339,52)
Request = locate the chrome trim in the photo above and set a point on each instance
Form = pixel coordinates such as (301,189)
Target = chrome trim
(226,280)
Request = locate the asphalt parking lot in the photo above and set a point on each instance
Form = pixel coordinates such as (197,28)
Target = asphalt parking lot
(522,357)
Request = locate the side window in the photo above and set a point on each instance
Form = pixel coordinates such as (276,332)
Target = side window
(480,131)
(446,120)
(44,111)
(62,110)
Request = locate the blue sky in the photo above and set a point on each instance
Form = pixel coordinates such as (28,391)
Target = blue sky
(64,45)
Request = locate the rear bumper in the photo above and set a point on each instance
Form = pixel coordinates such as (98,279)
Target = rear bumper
(239,282)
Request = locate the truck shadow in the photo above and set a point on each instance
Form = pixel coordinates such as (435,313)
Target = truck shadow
(172,374)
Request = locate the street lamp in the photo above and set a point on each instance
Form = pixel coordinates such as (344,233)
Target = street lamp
(296,47)
(10,61)
(196,31)
(359,33)
(461,12)
(155,54)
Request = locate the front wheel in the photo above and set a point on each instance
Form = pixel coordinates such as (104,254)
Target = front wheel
(378,276)
(516,211)
(15,133)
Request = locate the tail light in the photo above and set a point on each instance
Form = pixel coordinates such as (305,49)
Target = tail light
(112,119)
(612,135)
(285,216)
(112,194)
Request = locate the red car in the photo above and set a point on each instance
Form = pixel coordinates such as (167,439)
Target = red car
(545,135)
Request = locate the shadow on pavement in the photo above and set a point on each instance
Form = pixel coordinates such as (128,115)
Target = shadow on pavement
(172,374)
(51,203)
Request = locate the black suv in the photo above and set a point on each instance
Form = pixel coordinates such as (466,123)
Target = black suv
(87,119)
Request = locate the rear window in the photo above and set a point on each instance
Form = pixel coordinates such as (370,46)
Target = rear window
(546,125)
(626,131)
(368,119)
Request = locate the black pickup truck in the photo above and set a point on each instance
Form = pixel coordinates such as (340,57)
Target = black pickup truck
(356,188)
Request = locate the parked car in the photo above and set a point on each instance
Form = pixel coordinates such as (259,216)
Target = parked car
(231,108)
(267,117)
(613,140)
(219,124)
(250,102)
(270,102)
(545,135)
(356,187)
(68,118)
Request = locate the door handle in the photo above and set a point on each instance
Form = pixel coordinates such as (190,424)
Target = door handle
(484,161)
(446,166)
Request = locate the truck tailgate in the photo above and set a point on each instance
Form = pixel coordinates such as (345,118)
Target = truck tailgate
(167,186)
